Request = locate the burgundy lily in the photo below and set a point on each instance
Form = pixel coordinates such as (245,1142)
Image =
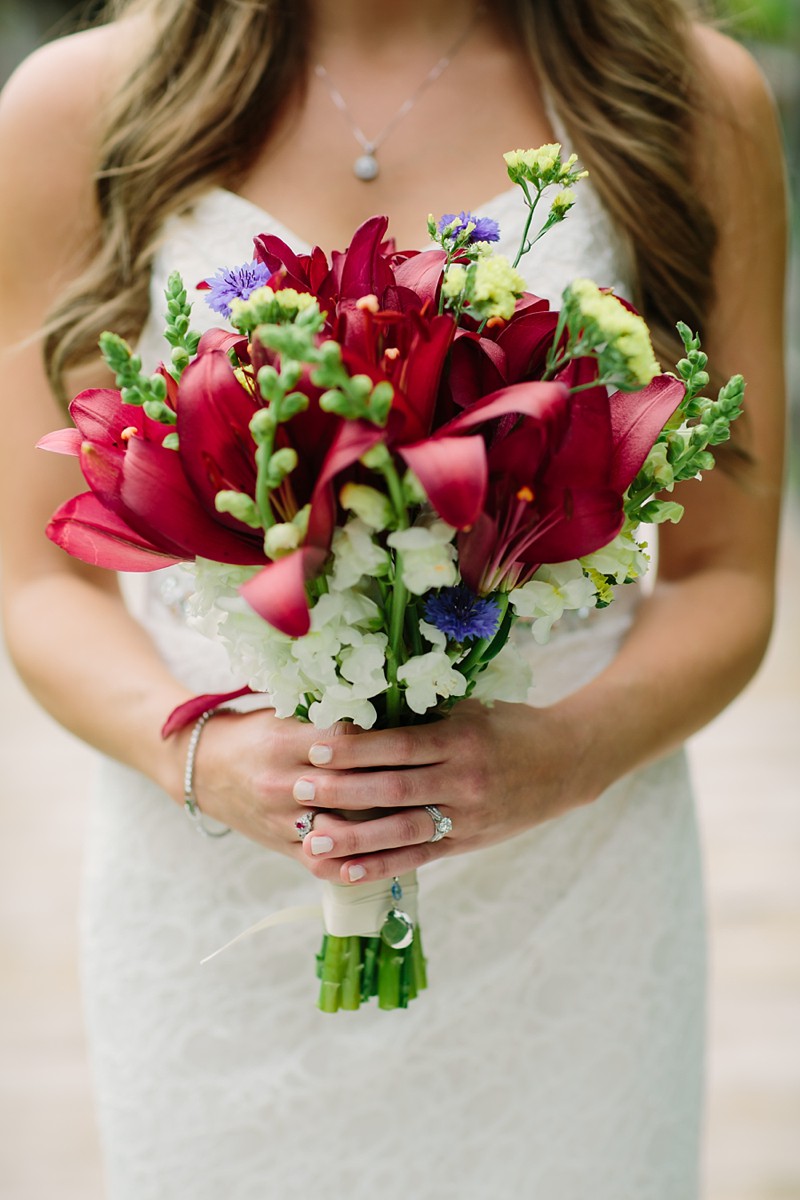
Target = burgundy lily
(556,479)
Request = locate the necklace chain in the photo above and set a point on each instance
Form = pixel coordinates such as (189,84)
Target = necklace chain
(366,166)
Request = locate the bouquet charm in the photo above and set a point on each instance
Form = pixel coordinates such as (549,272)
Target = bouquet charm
(382,464)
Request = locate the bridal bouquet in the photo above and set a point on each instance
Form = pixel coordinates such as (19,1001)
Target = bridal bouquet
(379,466)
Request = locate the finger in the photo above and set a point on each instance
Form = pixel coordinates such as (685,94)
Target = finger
(332,837)
(360,791)
(388,863)
(409,746)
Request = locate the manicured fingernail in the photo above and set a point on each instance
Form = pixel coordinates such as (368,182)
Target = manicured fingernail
(304,791)
(321,845)
(356,872)
(320,755)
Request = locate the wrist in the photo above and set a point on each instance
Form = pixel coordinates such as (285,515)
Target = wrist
(597,753)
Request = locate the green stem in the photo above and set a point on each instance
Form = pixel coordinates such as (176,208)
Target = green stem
(476,656)
(330,991)
(525,245)
(389,964)
(369,975)
(351,979)
(399,599)
(419,963)
(263,456)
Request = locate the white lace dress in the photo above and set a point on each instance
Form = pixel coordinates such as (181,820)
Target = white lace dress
(557,1054)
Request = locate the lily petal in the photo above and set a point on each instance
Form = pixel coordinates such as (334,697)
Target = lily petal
(88,531)
(636,421)
(159,502)
(278,593)
(61,441)
(188,712)
(454,474)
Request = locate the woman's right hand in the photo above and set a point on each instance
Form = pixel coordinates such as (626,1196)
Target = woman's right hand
(246,767)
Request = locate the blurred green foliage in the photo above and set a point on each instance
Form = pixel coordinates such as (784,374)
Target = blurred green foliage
(770,20)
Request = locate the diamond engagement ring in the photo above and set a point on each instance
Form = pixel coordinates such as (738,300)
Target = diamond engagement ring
(304,823)
(441,824)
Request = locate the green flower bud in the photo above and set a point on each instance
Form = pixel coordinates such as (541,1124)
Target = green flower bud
(376,458)
(238,505)
(262,425)
(381,402)
(281,539)
(291,405)
(281,464)
(157,410)
(413,491)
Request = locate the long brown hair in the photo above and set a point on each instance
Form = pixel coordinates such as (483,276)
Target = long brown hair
(619,71)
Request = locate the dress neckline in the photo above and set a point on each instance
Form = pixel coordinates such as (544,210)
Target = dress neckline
(300,245)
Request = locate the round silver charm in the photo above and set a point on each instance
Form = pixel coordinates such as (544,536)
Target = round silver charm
(398,929)
(365,167)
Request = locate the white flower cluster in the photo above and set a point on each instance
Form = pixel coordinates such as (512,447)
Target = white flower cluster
(552,592)
(339,667)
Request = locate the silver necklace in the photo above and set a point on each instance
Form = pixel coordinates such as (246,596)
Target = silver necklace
(366,165)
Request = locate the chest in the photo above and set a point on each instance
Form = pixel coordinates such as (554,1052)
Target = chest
(440,143)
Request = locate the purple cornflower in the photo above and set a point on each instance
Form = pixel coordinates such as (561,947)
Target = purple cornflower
(461,615)
(234,283)
(486,230)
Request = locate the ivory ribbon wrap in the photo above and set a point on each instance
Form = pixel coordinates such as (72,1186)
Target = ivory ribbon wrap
(361,909)
(357,910)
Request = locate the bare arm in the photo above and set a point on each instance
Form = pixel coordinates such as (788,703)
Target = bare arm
(72,640)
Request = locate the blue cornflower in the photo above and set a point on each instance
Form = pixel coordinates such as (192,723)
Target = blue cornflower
(461,615)
(486,230)
(234,283)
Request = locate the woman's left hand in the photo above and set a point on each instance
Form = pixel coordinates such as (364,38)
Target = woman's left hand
(494,772)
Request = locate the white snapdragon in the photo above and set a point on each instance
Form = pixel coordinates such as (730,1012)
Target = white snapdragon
(355,554)
(214,584)
(428,556)
(429,678)
(341,660)
(552,591)
(364,665)
(432,635)
(372,507)
(347,610)
(622,559)
(342,703)
(507,676)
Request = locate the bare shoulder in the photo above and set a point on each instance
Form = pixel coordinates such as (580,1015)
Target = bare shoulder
(737,93)
(51,113)
(739,141)
(72,76)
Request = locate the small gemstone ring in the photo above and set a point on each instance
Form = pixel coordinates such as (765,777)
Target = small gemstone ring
(441,824)
(304,823)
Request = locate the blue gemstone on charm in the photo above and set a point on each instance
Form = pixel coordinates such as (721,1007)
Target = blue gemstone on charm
(397,891)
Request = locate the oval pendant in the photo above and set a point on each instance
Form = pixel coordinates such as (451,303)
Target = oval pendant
(398,929)
(366,167)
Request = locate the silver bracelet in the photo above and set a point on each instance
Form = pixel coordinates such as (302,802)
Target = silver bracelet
(189,799)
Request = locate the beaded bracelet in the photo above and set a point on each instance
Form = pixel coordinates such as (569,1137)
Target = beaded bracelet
(189,799)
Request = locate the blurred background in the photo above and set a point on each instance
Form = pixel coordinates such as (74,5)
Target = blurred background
(746,766)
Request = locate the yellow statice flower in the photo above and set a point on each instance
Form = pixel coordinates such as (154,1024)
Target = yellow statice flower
(494,287)
(454,281)
(563,200)
(266,306)
(606,320)
(538,161)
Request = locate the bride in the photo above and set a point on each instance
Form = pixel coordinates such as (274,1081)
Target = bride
(558,1052)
